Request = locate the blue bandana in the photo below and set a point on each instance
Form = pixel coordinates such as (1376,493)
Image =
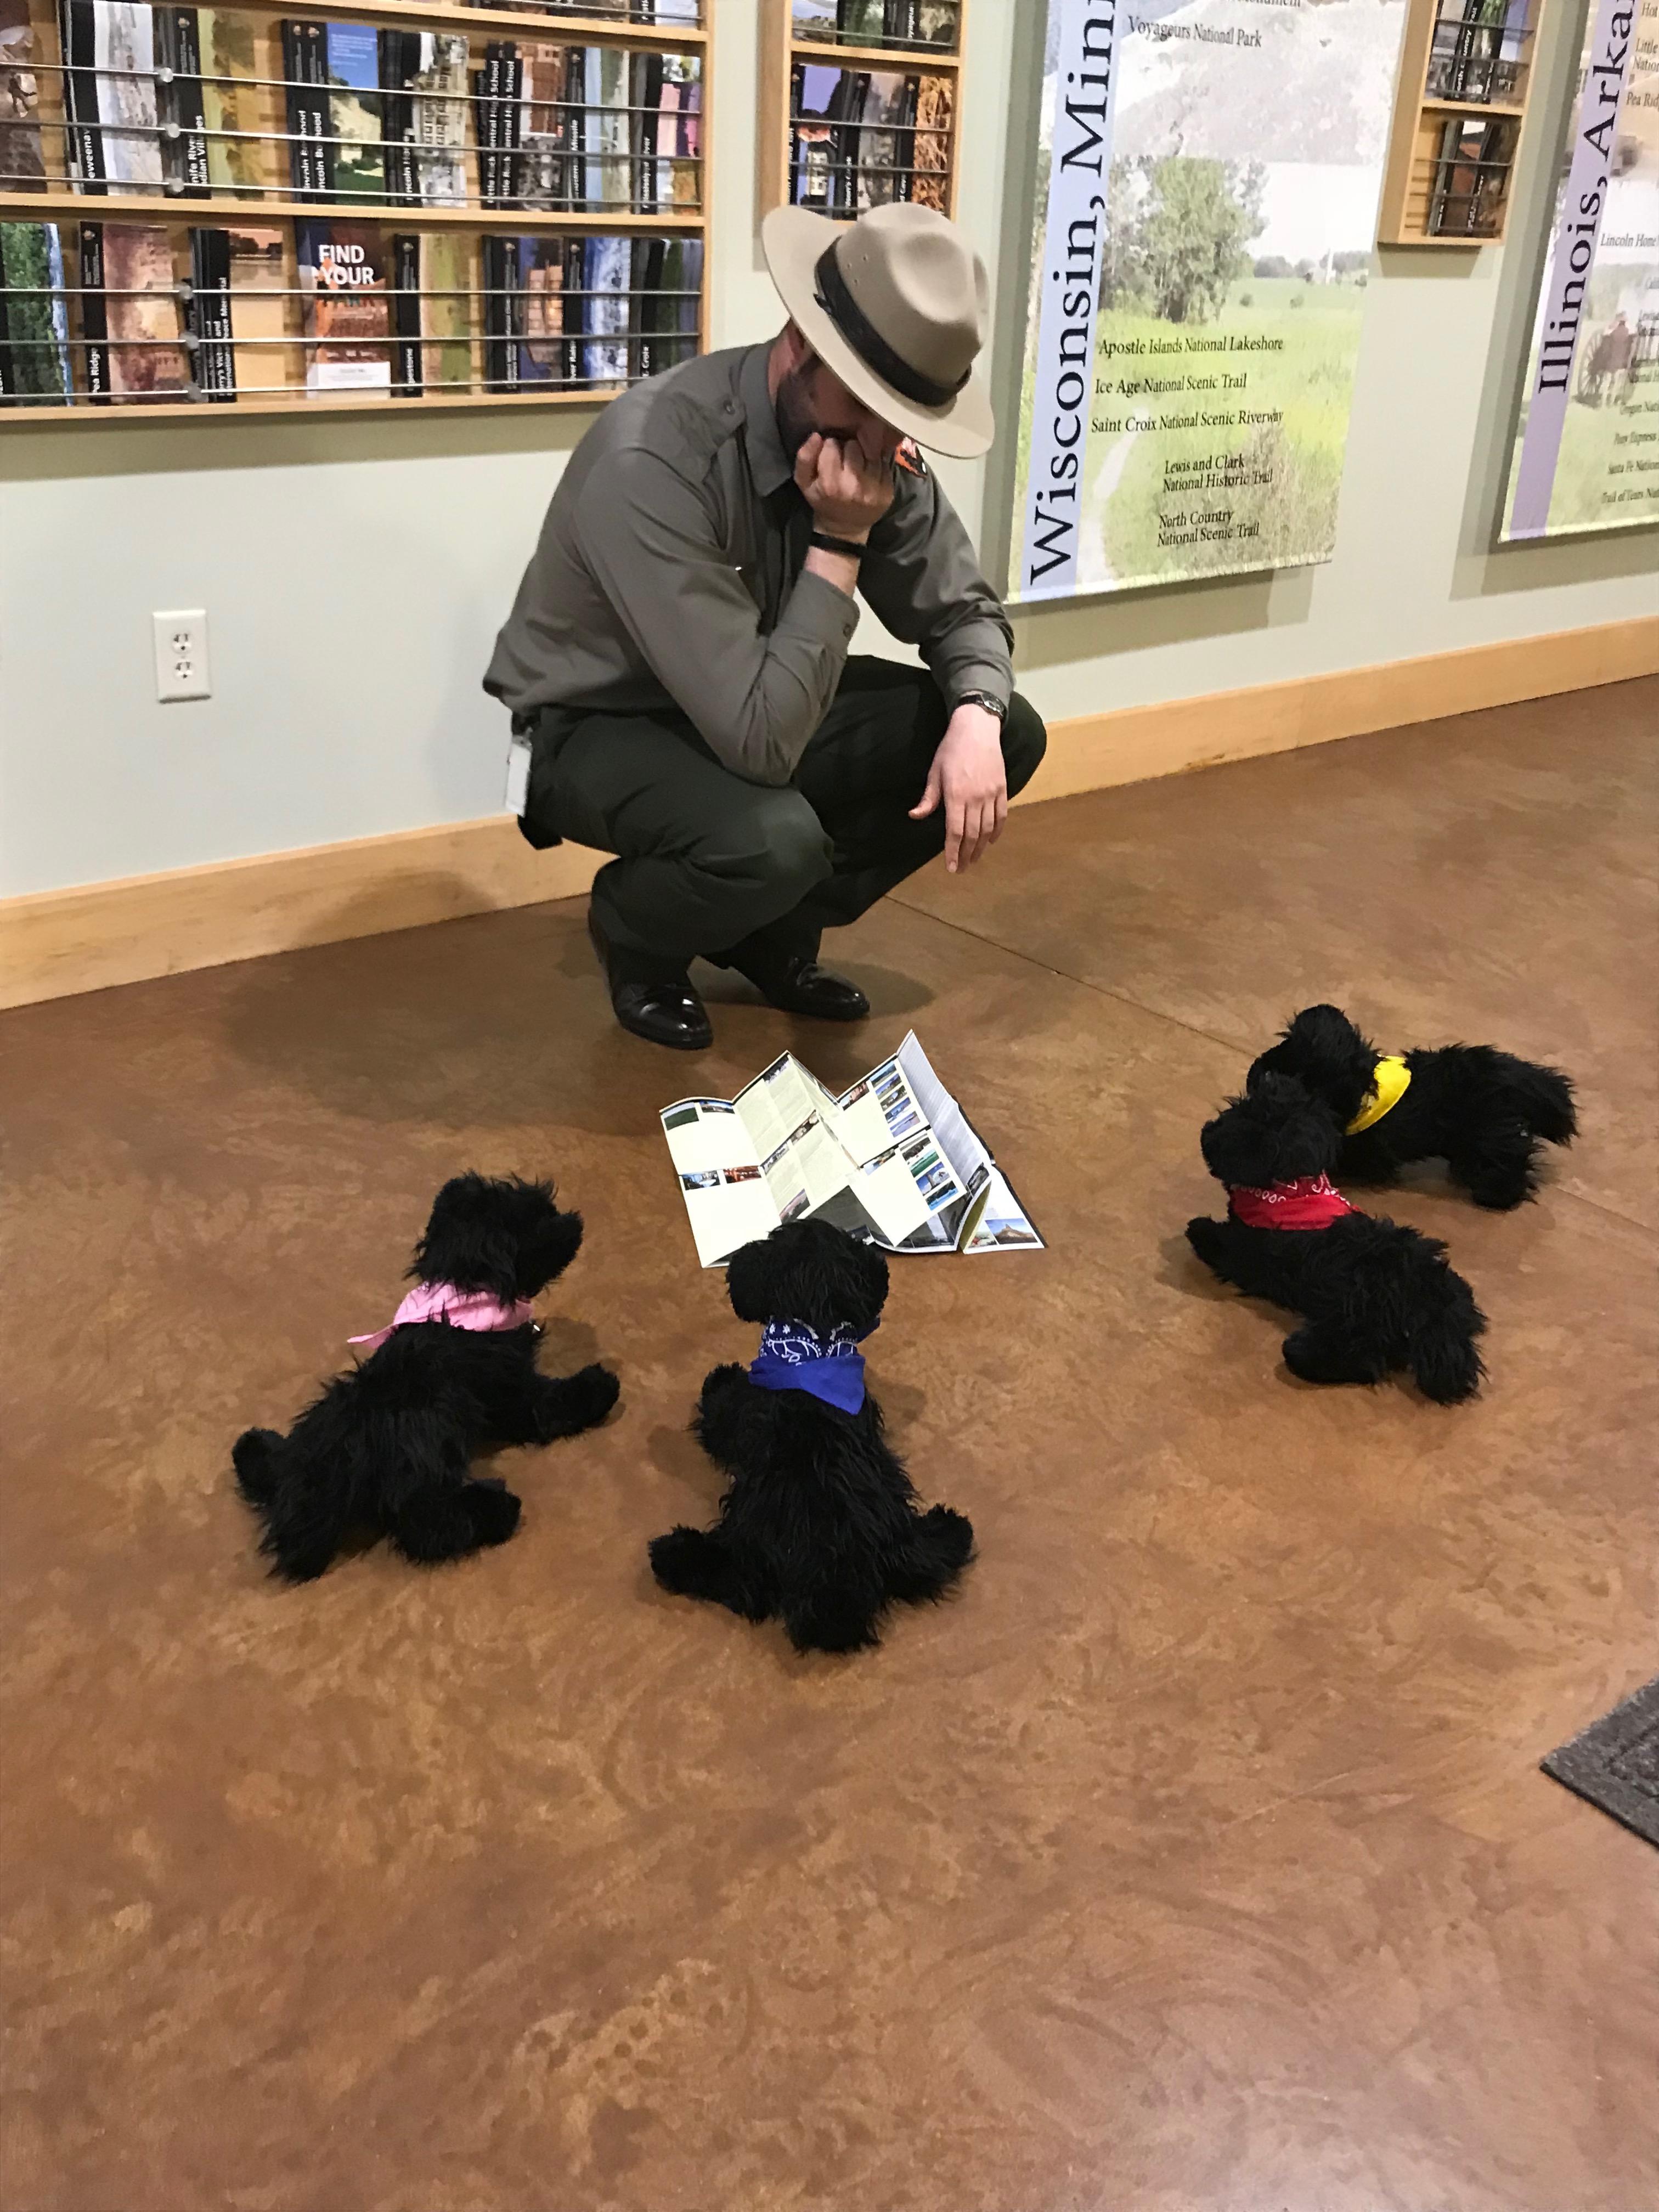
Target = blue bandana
(795,1357)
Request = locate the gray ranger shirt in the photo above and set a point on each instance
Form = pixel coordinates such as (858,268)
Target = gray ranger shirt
(669,573)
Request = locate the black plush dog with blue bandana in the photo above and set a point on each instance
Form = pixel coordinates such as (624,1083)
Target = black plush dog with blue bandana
(818,1522)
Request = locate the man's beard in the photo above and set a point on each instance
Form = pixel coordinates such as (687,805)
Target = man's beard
(793,409)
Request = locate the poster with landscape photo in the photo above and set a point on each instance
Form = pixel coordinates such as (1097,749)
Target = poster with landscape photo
(1206,206)
(1586,452)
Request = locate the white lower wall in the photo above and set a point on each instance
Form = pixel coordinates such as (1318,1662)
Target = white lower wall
(355,573)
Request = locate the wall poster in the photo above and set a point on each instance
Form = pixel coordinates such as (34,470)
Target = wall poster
(1586,454)
(1207,179)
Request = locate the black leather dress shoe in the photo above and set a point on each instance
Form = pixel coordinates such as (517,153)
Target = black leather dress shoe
(801,987)
(662,1008)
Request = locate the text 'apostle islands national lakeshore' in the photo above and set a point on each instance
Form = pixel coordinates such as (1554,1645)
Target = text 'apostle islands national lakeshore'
(1184,474)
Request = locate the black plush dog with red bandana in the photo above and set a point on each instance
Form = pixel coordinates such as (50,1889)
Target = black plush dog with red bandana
(1484,1112)
(1376,1296)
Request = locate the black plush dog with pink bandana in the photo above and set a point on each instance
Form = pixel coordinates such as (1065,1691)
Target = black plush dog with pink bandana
(389,1446)
(1376,1296)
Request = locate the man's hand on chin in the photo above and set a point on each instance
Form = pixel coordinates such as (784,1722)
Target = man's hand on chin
(968,776)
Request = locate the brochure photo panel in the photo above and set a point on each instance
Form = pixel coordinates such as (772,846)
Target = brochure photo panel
(1206,209)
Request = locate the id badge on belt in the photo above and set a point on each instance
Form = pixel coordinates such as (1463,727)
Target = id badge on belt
(518,775)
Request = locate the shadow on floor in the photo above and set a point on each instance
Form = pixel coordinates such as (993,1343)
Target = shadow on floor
(502,1019)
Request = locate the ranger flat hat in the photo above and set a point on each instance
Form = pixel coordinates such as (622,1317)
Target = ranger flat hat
(896,304)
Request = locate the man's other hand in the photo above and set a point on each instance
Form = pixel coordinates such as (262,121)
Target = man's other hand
(847,488)
(969,775)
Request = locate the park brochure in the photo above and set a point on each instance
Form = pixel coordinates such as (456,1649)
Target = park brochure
(894,1161)
(1206,184)
(1586,451)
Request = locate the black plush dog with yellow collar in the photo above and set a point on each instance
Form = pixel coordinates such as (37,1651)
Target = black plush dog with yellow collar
(1484,1112)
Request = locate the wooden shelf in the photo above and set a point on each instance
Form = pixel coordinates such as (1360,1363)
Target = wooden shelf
(153,207)
(86,415)
(1491,107)
(909,61)
(782,45)
(1412,175)
(445,15)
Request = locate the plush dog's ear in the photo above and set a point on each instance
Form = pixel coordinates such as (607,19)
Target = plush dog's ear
(809,1271)
(859,1282)
(749,1273)
(546,1240)
(1326,1054)
(1275,1132)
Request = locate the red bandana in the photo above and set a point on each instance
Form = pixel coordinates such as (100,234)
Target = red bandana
(1310,1202)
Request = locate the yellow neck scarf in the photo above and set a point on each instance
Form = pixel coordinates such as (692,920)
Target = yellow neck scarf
(1390,1080)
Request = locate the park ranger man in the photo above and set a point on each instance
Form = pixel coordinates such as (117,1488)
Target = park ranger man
(678,652)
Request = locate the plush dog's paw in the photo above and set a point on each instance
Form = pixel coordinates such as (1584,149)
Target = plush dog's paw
(1204,1237)
(678,1559)
(493,1510)
(720,1379)
(587,1397)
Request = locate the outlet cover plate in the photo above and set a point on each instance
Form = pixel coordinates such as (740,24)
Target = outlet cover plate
(181,654)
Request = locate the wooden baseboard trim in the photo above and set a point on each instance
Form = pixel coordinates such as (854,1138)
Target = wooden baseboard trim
(85,939)
(54,944)
(1129,744)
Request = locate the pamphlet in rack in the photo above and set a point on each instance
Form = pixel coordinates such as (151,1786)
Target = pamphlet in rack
(894,1161)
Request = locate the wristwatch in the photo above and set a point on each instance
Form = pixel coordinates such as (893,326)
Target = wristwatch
(849,546)
(997,706)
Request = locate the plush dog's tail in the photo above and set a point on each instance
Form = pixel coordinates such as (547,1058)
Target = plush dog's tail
(1441,1351)
(1543,1097)
(254,1457)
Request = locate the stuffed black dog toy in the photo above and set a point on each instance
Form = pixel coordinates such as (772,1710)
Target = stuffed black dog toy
(1484,1112)
(1376,1296)
(389,1446)
(817,1522)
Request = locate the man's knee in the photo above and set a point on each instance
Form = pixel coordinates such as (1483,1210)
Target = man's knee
(1025,741)
(777,847)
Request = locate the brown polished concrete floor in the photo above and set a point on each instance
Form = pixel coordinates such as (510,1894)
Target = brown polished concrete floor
(1196,1857)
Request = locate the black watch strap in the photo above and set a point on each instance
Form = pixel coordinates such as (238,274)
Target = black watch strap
(825,543)
(983,699)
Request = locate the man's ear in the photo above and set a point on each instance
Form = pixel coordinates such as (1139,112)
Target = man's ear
(794,339)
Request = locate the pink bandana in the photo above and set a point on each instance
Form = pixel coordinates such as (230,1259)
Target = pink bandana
(461,1309)
(1310,1202)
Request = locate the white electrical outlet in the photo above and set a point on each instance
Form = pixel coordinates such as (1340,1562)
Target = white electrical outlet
(181,654)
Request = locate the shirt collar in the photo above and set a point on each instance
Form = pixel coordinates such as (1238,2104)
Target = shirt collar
(769,465)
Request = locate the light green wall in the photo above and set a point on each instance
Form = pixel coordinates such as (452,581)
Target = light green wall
(355,572)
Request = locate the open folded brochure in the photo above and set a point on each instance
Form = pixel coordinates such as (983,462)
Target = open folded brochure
(893,1160)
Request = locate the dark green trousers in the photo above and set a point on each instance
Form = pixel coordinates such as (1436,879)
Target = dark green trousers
(709,863)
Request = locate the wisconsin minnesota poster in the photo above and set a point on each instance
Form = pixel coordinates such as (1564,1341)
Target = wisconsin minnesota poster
(1586,454)
(1206,190)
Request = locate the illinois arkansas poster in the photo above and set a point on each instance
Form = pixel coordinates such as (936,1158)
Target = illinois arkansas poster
(1586,454)
(1207,179)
